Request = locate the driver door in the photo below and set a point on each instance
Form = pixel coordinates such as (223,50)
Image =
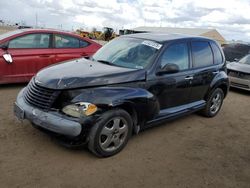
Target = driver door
(29,53)
(173,89)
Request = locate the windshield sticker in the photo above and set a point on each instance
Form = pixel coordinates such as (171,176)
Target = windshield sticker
(139,67)
(152,44)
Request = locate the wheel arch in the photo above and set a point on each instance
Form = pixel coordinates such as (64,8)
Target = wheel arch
(220,81)
(224,88)
(131,109)
(223,85)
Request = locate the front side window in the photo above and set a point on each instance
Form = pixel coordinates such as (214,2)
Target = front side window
(64,41)
(202,54)
(176,54)
(30,41)
(128,52)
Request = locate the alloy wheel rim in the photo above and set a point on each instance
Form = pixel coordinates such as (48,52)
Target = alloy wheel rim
(113,134)
(216,103)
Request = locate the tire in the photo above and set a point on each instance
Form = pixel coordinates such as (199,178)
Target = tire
(111,133)
(214,103)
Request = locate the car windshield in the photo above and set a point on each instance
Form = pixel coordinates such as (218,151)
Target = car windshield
(128,52)
(10,33)
(245,60)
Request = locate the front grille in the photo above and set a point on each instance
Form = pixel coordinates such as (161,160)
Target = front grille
(238,74)
(233,73)
(39,96)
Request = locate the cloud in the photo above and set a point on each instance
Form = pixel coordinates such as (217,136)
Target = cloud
(230,17)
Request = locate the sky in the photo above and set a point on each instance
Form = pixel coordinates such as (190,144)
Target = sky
(230,17)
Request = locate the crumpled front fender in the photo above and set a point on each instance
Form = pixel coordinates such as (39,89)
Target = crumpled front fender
(140,99)
(112,96)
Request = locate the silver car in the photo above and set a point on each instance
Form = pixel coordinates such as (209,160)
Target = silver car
(239,73)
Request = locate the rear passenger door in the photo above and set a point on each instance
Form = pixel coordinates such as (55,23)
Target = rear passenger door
(205,67)
(67,47)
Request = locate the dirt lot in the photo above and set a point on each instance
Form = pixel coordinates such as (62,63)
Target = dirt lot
(190,152)
(4,29)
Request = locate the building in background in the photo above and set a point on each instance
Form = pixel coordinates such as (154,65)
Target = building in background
(211,33)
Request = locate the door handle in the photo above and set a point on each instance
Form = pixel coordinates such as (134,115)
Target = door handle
(189,78)
(44,55)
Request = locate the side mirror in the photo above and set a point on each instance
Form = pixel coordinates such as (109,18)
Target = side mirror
(4,47)
(169,68)
(7,57)
(236,59)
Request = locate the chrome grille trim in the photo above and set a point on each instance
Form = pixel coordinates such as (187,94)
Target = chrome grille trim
(39,96)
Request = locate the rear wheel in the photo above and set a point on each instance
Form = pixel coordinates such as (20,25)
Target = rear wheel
(111,133)
(214,103)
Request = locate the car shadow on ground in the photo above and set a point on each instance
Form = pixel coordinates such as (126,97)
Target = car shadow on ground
(168,123)
(83,149)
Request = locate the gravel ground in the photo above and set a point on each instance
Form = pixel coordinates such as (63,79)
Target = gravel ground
(191,152)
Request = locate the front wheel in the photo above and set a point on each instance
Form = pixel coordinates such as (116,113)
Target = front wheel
(214,103)
(111,133)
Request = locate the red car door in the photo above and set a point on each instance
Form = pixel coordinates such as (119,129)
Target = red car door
(69,47)
(29,53)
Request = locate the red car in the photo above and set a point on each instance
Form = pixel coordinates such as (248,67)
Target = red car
(24,52)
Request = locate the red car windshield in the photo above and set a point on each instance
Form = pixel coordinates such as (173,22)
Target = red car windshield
(10,33)
(245,60)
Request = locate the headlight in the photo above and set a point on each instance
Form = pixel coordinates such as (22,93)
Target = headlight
(80,109)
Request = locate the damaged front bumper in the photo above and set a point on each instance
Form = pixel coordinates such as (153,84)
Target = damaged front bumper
(51,120)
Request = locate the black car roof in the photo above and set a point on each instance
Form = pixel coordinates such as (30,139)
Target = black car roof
(163,37)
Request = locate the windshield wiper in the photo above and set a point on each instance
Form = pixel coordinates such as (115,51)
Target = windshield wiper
(105,62)
(109,63)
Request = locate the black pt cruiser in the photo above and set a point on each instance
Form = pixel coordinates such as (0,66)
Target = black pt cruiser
(131,83)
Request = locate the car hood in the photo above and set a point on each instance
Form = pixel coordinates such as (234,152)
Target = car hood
(85,73)
(239,67)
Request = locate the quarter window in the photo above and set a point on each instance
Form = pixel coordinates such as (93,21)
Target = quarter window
(83,44)
(176,54)
(202,54)
(30,41)
(63,41)
(217,54)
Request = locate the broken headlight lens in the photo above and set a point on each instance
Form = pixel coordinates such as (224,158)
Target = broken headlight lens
(80,109)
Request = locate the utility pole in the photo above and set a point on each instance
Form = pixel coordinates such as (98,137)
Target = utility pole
(36,20)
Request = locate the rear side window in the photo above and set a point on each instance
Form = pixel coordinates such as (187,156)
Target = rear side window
(64,41)
(176,54)
(202,54)
(83,44)
(217,54)
(31,41)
